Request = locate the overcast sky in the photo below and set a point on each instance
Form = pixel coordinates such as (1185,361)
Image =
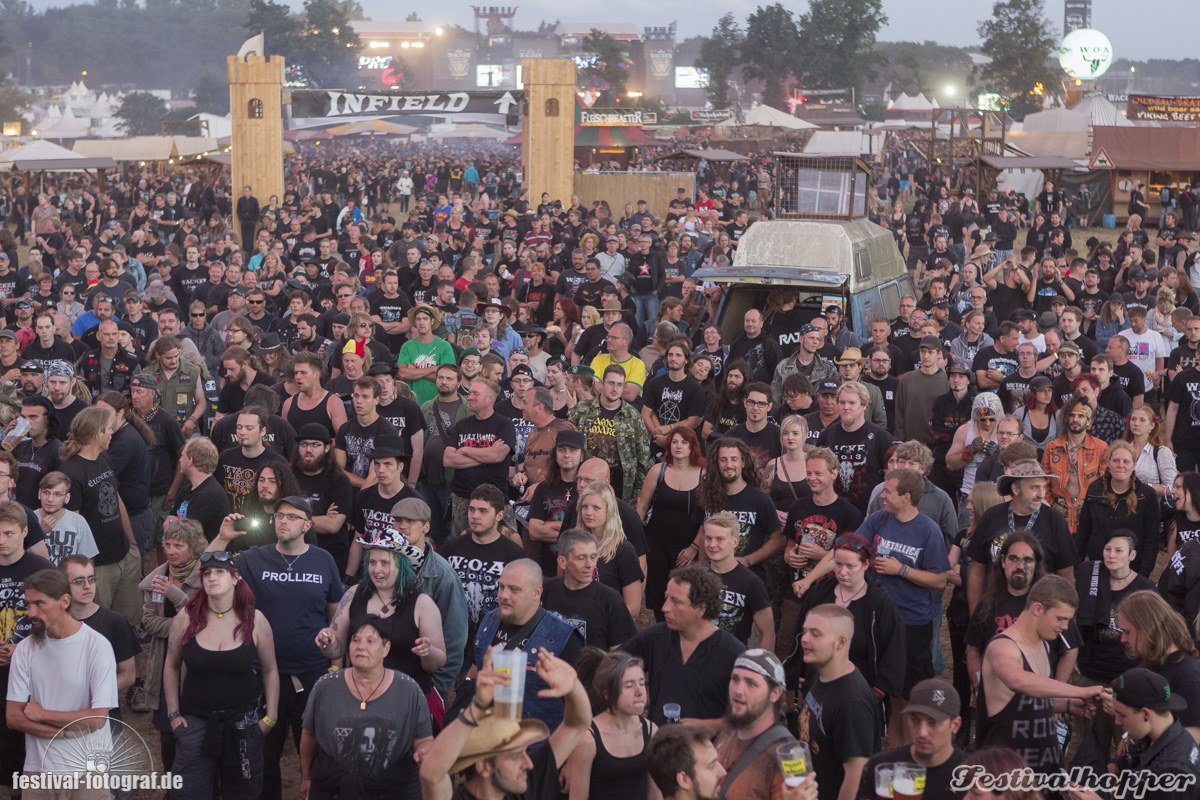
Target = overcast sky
(1135,29)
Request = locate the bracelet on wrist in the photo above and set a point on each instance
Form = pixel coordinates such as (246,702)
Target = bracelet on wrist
(270,723)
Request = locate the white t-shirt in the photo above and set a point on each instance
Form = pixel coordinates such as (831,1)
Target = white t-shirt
(69,535)
(1144,348)
(78,672)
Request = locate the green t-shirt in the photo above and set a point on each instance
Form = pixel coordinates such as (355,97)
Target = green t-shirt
(419,354)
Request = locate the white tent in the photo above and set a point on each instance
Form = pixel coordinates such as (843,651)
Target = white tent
(1098,109)
(68,126)
(769,117)
(918,102)
(40,155)
(1056,120)
(844,143)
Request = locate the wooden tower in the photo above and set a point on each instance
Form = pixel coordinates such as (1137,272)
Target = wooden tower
(256,110)
(548,152)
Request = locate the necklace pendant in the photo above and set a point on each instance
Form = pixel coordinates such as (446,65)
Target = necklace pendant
(362,706)
(220,615)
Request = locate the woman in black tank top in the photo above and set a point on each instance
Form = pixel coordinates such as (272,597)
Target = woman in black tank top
(789,473)
(611,763)
(413,623)
(227,648)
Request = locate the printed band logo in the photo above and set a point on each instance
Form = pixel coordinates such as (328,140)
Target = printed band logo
(460,63)
(660,64)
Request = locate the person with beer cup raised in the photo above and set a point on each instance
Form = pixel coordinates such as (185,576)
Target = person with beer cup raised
(932,719)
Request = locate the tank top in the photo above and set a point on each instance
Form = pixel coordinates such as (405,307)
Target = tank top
(676,516)
(784,491)
(298,417)
(402,632)
(616,778)
(1185,530)
(1025,724)
(216,680)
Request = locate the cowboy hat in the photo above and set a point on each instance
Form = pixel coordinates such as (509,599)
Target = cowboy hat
(497,303)
(495,736)
(851,355)
(434,314)
(1028,468)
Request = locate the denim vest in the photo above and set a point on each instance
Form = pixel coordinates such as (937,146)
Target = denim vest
(552,634)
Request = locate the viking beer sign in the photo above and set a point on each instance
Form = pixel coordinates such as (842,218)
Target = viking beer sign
(337,104)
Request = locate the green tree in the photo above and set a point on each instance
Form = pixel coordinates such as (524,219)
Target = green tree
(609,70)
(140,114)
(719,57)
(413,17)
(281,30)
(211,94)
(329,45)
(1019,42)
(770,51)
(837,41)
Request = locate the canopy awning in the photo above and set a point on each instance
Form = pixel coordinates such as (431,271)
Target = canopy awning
(43,156)
(714,154)
(1030,162)
(1157,149)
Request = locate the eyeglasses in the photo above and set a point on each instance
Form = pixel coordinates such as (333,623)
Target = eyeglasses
(757,403)
(290,517)
(198,314)
(89,580)
(256,302)
(216,557)
(344,296)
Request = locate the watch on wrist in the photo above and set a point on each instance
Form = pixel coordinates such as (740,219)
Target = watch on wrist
(174,715)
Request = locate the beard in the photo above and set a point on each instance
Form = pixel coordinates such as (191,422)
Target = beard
(1018,580)
(38,630)
(749,716)
(726,479)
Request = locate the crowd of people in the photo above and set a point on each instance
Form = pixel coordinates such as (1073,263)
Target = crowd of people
(298,469)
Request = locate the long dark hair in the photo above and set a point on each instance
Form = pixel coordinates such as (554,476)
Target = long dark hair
(997,583)
(243,607)
(125,411)
(712,488)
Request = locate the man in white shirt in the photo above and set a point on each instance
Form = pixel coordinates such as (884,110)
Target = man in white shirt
(1147,350)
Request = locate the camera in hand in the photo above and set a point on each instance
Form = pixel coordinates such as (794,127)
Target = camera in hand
(249,524)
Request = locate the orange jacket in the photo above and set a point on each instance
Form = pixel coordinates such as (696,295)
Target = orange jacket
(1093,455)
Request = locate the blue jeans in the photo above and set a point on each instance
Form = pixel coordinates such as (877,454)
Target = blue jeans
(645,308)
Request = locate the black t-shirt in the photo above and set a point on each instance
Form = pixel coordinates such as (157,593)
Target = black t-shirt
(764,445)
(233,396)
(843,723)
(357,441)
(479,567)
(521,427)
(700,686)
(743,595)
(94,495)
(1050,529)
(819,524)
(937,779)
(621,570)
(207,503)
(1130,378)
(117,630)
(862,455)
(1183,676)
(12,598)
(989,358)
(33,463)
(372,513)
(675,401)
(474,432)
(596,610)
(405,416)
(280,437)
(757,520)
(238,473)
(1184,391)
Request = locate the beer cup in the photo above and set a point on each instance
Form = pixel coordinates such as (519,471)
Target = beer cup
(510,699)
(672,712)
(884,774)
(908,782)
(794,762)
(14,436)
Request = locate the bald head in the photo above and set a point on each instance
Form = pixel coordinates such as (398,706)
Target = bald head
(526,571)
(839,619)
(594,470)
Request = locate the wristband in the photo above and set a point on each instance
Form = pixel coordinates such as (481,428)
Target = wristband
(174,715)
(270,723)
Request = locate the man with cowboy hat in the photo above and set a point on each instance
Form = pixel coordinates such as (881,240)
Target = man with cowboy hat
(494,749)
(850,368)
(422,354)
(1026,510)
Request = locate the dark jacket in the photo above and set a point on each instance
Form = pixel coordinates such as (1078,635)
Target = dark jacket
(1098,518)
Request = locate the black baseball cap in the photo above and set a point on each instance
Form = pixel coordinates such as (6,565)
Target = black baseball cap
(828,387)
(1142,688)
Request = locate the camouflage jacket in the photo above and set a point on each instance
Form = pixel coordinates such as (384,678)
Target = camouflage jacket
(633,443)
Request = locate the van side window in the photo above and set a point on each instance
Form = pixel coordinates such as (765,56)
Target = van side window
(890,295)
(862,265)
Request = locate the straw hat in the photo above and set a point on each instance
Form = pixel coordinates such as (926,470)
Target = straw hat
(495,736)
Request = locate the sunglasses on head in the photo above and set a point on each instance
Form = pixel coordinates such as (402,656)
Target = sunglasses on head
(853,542)
(219,557)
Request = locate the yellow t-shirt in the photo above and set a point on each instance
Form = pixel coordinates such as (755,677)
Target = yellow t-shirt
(635,369)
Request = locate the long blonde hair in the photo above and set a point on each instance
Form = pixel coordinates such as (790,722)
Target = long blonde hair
(610,535)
